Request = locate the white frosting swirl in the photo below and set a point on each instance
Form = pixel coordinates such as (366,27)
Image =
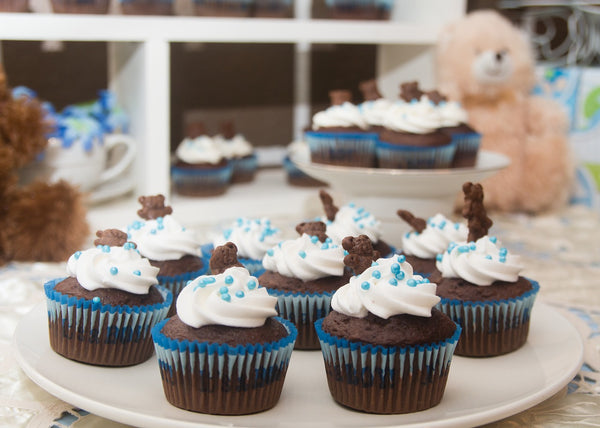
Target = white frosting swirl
(351,220)
(417,117)
(202,149)
(122,268)
(480,263)
(344,115)
(232,298)
(435,238)
(385,289)
(236,147)
(375,111)
(305,258)
(163,239)
(451,113)
(299,150)
(252,237)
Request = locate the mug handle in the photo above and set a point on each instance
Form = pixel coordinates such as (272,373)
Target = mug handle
(111,141)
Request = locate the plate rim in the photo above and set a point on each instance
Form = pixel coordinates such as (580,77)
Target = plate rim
(131,417)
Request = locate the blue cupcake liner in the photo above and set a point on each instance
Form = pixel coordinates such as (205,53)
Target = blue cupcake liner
(386,379)
(175,283)
(467,147)
(254,266)
(342,148)
(201,181)
(303,309)
(216,370)
(489,325)
(85,328)
(244,168)
(398,156)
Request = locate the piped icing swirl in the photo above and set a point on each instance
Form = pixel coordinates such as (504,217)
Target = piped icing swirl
(374,111)
(482,262)
(435,238)
(343,115)
(252,237)
(305,258)
(351,220)
(451,113)
(417,117)
(232,298)
(202,149)
(121,268)
(387,288)
(163,238)
(235,147)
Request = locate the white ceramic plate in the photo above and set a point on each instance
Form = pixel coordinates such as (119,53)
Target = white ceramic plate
(404,183)
(478,390)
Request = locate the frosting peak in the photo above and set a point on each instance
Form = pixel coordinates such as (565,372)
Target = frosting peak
(343,115)
(387,288)
(232,298)
(202,149)
(351,220)
(435,238)
(252,237)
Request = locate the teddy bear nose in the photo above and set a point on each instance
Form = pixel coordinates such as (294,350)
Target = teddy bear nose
(499,56)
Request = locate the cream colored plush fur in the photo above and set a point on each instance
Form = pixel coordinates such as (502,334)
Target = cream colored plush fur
(486,64)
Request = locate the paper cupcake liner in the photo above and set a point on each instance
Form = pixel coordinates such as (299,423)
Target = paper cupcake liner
(491,328)
(397,156)
(101,334)
(386,379)
(360,9)
(303,309)
(201,182)
(254,266)
(467,148)
(147,7)
(221,379)
(345,149)
(241,8)
(244,169)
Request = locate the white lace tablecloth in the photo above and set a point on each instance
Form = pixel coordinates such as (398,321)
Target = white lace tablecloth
(561,251)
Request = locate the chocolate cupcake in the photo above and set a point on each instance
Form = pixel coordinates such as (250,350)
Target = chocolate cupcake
(386,348)
(239,152)
(428,239)
(481,288)
(340,134)
(352,220)
(224,352)
(303,274)
(103,312)
(169,246)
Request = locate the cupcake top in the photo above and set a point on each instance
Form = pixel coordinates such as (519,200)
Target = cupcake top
(299,149)
(451,113)
(158,235)
(232,298)
(434,238)
(252,237)
(201,149)
(113,266)
(482,262)
(385,289)
(351,220)
(305,258)
(235,147)
(341,114)
(416,117)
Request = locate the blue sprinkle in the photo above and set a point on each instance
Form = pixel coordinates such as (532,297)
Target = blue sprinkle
(314,239)
(239,294)
(188,282)
(351,204)
(328,241)
(395,268)
(137,272)
(302,254)
(472,246)
(77,255)
(463,249)
(251,284)
(227,233)
(407,235)
(153,231)
(325,246)
(96,299)
(226,297)
(159,219)
(229,280)
(401,259)
(393,281)
(439,257)
(262,238)
(105,249)
(346,253)
(160,226)
(270,252)
(376,274)
(442,224)
(374,264)
(365,285)
(114,270)
(488,257)
(400,276)
(209,280)
(502,259)
(493,239)
(503,251)
(411,283)
(223,290)
(128,235)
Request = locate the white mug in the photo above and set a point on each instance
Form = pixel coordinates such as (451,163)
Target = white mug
(86,169)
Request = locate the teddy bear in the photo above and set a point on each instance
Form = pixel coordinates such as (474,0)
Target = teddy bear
(487,64)
(40,221)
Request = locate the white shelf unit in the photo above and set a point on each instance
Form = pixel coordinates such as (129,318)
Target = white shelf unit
(139,57)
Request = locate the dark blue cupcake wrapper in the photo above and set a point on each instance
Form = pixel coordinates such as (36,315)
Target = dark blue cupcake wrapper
(220,359)
(83,313)
(358,356)
(397,156)
(302,308)
(202,178)
(245,165)
(514,312)
(358,148)
(468,142)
